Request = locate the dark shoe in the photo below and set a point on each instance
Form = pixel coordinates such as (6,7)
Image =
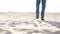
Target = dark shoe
(42,19)
(37,16)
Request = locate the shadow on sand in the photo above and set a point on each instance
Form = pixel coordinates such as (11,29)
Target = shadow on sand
(56,32)
(49,32)
(54,23)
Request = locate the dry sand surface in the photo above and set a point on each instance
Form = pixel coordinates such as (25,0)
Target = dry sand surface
(25,23)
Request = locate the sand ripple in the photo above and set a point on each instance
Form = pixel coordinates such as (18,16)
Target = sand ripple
(29,26)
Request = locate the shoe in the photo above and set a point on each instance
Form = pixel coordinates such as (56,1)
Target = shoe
(42,19)
(37,16)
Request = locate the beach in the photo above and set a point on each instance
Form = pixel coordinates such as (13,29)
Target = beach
(26,23)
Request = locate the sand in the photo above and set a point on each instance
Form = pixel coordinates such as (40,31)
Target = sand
(26,23)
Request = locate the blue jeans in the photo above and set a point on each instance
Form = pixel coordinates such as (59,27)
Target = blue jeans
(43,7)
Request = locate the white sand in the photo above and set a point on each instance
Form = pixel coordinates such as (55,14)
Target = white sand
(25,23)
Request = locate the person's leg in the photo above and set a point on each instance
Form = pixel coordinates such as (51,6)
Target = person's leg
(37,8)
(43,9)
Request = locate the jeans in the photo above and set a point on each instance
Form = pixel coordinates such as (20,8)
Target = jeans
(43,7)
